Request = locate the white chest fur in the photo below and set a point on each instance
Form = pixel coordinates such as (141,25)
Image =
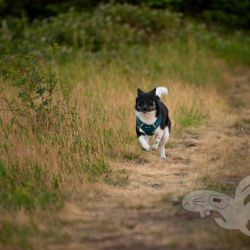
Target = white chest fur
(148,118)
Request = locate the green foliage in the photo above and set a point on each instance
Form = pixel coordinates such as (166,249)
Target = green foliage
(108,27)
(27,189)
(94,170)
(232,13)
(114,27)
(233,48)
(230,46)
(32,83)
(36,103)
(190,117)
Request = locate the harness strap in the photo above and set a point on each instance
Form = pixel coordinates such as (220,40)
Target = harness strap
(148,129)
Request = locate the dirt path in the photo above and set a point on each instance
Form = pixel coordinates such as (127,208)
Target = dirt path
(146,213)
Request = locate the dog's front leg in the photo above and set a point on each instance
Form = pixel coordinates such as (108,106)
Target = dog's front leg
(157,140)
(144,142)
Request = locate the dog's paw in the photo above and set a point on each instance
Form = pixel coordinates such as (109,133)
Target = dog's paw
(163,157)
(154,147)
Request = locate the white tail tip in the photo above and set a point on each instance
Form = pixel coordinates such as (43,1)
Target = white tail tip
(161,91)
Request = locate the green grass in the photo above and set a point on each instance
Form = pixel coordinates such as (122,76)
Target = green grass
(95,170)
(12,235)
(232,48)
(178,59)
(190,117)
(230,45)
(27,189)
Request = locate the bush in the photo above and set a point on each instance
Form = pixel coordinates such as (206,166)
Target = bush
(108,27)
(40,103)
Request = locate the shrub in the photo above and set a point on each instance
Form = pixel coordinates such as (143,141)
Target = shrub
(40,104)
(108,27)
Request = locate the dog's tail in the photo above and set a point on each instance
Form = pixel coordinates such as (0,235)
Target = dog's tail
(161,91)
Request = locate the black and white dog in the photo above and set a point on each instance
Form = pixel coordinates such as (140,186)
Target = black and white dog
(152,119)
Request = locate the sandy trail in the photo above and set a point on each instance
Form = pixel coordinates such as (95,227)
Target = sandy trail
(146,213)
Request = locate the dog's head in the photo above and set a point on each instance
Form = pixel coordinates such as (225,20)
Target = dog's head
(146,101)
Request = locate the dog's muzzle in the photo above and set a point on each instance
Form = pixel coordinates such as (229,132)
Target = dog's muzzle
(146,109)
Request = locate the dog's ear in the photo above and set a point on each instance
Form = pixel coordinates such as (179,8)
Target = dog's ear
(156,98)
(153,91)
(139,91)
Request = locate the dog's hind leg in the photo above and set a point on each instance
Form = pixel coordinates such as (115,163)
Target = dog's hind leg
(163,142)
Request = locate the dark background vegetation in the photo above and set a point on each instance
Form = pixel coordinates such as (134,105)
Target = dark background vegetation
(232,13)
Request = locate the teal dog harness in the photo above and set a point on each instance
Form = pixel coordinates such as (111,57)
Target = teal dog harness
(148,129)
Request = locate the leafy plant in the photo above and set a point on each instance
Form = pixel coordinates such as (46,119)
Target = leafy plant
(39,103)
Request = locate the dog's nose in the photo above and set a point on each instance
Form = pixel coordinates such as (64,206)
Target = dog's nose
(144,109)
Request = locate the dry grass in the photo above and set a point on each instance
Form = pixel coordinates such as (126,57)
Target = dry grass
(225,158)
(105,125)
(224,162)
